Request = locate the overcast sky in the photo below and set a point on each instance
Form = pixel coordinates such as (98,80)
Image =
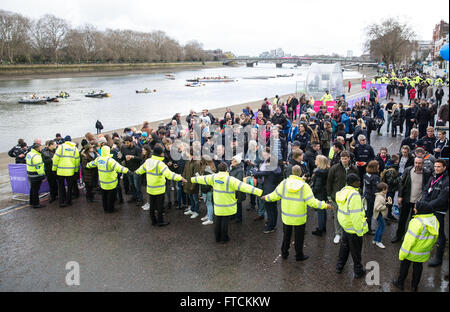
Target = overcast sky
(246,27)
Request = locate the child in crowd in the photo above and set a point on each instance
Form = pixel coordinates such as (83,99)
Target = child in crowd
(380,212)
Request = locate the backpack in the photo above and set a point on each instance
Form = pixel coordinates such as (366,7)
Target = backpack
(371,124)
(391,178)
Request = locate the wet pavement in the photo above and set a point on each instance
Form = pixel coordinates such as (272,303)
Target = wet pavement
(123,252)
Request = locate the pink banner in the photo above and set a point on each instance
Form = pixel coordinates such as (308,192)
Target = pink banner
(363,85)
(318,104)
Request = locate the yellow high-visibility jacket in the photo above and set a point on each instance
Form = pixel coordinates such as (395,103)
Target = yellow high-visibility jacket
(66,160)
(295,195)
(351,215)
(224,188)
(157,173)
(420,238)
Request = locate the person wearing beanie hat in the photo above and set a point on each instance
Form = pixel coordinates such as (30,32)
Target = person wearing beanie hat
(352,219)
(90,176)
(417,245)
(107,175)
(66,163)
(237,171)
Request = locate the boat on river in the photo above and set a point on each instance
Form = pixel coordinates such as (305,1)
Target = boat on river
(146,90)
(212,79)
(194,84)
(33,100)
(100,94)
(285,75)
(52,99)
(169,76)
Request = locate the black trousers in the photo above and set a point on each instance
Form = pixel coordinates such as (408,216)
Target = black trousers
(53,184)
(65,198)
(405,212)
(35,185)
(89,190)
(272,215)
(108,199)
(299,238)
(221,228)
(417,272)
(156,203)
(351,244)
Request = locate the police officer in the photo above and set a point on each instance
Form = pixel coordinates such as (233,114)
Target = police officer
(225,203)
(107,176)
(351,217)
(36,173)
(295,195)
(419,240)
(66,163)
(157,172)
(325,98)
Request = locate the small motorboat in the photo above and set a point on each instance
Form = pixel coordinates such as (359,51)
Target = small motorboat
(169,76)
(146,90)
(194,84)
(285,75)
(100,94)
(52,99)
(32,101)
(192,80)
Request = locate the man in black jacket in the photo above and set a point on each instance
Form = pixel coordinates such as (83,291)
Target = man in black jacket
(412,140)
(19,152)
(297,159)
(47,157)
(439,94)
(363,154)
(428,141)
(310,155)
(409,193)
(436,194)
(279,118)
(410,118)
(131,155)
(423,116)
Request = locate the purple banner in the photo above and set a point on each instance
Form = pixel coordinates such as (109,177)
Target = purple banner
(19,180)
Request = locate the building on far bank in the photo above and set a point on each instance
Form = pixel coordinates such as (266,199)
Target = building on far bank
(422,50)
(440,37)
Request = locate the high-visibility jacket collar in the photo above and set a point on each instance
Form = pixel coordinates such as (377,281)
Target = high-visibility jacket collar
(160,158)
(294,183)
(430,222)
(222,174)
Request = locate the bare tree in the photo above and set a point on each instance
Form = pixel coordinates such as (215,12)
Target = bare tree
(390,42)
(13,35)
(49,34)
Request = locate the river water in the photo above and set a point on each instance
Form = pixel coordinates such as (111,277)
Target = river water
(77,114)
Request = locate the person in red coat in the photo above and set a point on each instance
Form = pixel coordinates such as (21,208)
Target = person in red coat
(412,95)
(349,86)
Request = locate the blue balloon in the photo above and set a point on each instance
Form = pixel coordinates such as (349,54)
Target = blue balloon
(444,52)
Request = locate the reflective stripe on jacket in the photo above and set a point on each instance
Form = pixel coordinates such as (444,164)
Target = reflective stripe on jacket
(35,165)
(66,160)
(224,188)
(157,173)
(107,171)
(295,195)
(351,215)
(420,238)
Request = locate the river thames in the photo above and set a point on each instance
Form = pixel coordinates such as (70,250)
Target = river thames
(77,114)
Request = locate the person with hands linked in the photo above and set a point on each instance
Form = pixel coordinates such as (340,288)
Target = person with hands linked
(157,172)
(295,195)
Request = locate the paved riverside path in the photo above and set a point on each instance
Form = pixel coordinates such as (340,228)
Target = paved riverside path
(123,252)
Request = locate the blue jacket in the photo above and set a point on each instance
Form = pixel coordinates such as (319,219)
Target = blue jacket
(346,121)
(292,133)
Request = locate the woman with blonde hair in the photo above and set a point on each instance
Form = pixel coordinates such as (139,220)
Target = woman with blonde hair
(319,188)
(360,128)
